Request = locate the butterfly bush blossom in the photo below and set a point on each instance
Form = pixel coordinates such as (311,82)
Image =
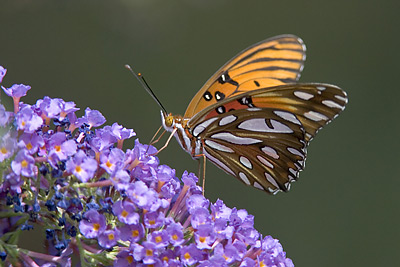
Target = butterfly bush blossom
(101,205)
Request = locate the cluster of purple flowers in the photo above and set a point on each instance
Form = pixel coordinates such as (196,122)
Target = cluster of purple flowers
(109,206)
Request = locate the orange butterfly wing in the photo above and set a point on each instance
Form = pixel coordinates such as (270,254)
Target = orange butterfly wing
(275,61)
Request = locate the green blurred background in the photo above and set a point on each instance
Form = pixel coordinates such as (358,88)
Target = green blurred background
(344,209)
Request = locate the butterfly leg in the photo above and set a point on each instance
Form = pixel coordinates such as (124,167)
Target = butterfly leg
(204,169)
(166,143)
(153,140)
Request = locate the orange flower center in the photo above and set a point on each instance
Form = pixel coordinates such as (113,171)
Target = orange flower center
(57,148)
(135,233)
(149,252)
(96,226)
(129,259)
(124,213)
(187,256)
(24,164)
(158,239)
(78,168)
(29,146)
(4,150)
(111,236)
(108,164)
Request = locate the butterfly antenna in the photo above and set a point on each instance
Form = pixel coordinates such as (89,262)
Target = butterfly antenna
(143,82)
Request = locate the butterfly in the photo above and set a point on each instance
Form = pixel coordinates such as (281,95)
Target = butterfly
(253,119)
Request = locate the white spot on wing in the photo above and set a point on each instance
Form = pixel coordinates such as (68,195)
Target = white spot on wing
(321,88)
(235,139)
(253,109)
(303,95)
(219,163)
(244,178)
(257,185)
(295,152)
(287,185)
(341,98)
(331,104)
(199,128)
(216,146)
(245,162)
(273,191)
(260,125)
(315,116)
(293,171)
(270,152)
(226,120)
(265,162)
(287,116)
(271,180)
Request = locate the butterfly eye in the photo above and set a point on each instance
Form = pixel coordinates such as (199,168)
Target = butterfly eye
(169,120)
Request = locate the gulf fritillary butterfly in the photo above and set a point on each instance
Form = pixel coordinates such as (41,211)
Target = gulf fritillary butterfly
(253,120)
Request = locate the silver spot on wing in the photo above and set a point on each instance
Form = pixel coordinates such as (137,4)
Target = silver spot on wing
(199,128)
(260,125)
(235,139)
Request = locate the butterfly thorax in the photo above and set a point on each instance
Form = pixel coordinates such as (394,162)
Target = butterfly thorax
(182,133)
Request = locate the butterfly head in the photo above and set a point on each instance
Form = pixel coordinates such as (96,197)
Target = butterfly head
(171,122)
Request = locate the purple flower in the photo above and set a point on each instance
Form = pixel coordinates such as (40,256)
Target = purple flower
(49,107)
(109,238)
(126,212)
(82,166)
(30,142)
(16,90)
(24,164)
(4,116)
(200,216)
(143,196)
(150,252)
(60,147)
(27,120)
(121,132)
(120,179)
(189,179)
(67,108)
(132,232)
(92,117)
(103,139)
(110,160)
(8,143)
(13,182)
(154,219)
(125,258)
(160,238)
(205,236)
(3,72)
(191,254)
(220,210)
(197,201)
(93,224)
(175,231)
(142,163)
(229,253)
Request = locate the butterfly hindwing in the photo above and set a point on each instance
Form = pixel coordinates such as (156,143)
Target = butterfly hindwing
(275,61)
(257,146)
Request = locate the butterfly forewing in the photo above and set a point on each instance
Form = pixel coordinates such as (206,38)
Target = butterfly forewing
(272,62)
(267,129)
